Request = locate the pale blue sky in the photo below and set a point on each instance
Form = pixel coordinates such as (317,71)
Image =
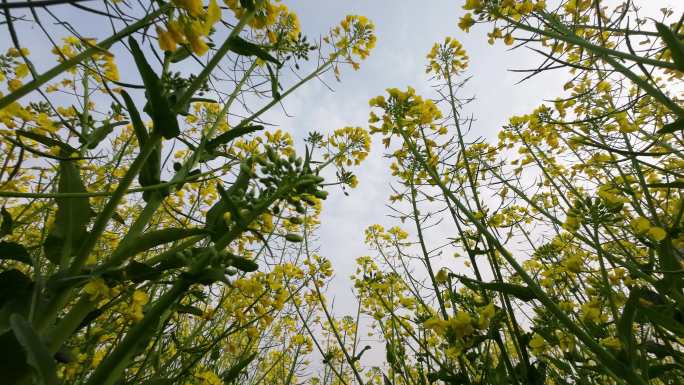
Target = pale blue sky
(406,31)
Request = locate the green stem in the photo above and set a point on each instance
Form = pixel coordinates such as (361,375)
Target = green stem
(70,323)
(67,64)
(615,367)
(112,367)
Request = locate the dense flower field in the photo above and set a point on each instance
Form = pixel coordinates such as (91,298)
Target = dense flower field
(163,231)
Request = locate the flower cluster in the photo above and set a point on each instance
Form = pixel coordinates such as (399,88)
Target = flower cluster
(448,58)
(190,26)
(352,41)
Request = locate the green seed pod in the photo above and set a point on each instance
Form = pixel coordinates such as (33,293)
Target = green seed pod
(321,194)
(292,237)
(244,167)
(272,156)
(244,264)
(295,220)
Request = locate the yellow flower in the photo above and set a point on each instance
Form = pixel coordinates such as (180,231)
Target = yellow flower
(96,288)
(611,342)
(176,31)
(486,315)
(14,84)
(571,223)
(603,86)
(166,40)
(21,71)
(537,344)
(573,263)
(194,7)
(140,297)
(441,276)
(591,311)
(209,378)
(213,14)
(198,46)
(461,324)
(466,22)
(640,225)
(472,5)
(298,339)
(436,324)
(657,233)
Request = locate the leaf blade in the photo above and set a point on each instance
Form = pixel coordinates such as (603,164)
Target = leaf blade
(37,354)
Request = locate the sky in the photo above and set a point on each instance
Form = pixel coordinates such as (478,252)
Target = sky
(406,31)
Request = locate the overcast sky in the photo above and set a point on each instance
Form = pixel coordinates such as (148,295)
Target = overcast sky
(406,31)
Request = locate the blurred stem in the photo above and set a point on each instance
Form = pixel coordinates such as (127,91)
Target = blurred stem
(426,255)
(328,316)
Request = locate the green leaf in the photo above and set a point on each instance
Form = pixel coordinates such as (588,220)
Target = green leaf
(150,174)
(677,184)
(242,47)
(232,374)
(66,150)
(7,222)
(447,377)
(14,251)
(523,293)
(139,272)
(390,356)
(180,54)
(231,134)
(152,239)
(672,127)
(294,238)
(163,117)
(12,284)
(247,4)
(624,324)
(215,223)
(207,276)
(275,92)
(117,217)
(136,121)
(99,134)
(187,309)
(37,354)
(72,217)
(660,370)
(660,314)
(673,44)
(13,366)
(244,264)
